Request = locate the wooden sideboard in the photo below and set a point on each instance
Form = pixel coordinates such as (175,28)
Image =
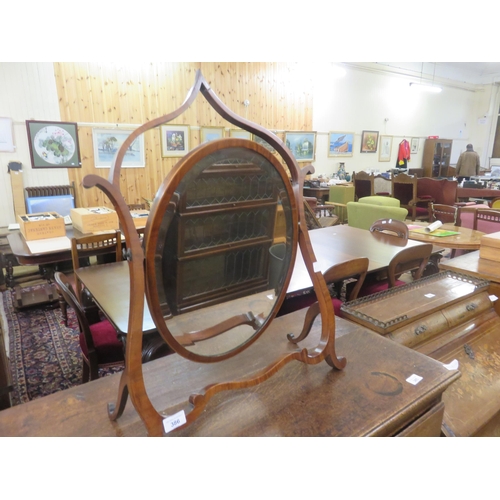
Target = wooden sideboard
(374,395)
(447,316)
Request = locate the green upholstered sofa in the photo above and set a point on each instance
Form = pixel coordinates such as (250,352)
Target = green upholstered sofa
(363,215)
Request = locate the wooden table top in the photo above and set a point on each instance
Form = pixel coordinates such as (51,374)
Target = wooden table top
(463,192)
(25,257)
(331,246)
(467,239)
(370,397)
(340,243)
(471,263)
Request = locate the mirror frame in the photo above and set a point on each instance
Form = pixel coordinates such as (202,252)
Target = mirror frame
(132,378)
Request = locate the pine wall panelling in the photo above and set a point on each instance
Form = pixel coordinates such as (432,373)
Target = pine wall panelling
(118,93)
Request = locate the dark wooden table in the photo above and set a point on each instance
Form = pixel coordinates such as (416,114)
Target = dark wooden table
(321,193)
(340,243)
(463,194)
(331,246)
(370,397)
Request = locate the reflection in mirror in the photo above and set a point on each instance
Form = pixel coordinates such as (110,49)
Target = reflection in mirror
(223,250)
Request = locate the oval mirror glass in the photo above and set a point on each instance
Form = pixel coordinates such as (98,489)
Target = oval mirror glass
(223,228)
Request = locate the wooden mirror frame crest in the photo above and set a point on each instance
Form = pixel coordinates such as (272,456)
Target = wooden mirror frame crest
(132,380)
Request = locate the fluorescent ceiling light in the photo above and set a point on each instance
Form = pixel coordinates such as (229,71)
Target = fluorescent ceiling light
(423,86)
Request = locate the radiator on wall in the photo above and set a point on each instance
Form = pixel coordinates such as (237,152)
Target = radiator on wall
(35,192)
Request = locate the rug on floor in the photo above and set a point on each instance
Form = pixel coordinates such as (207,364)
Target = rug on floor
(44,354)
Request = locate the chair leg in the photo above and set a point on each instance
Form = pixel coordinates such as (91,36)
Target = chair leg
(64,310)
(85,372)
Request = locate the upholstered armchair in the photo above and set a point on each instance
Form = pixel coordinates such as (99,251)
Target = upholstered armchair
(363,215)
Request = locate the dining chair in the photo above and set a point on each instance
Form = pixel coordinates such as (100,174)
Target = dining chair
(447,214)
(495,203)
(363,184)
(345,277)
(99,342)
(382,186)
(414,258)
(390,226)
(487,220)
(88,250)
(318,216)
(404,189)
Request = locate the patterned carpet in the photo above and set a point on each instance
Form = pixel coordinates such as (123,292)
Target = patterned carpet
(45,355)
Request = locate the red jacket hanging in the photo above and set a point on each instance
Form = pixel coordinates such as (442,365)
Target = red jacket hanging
(403,154)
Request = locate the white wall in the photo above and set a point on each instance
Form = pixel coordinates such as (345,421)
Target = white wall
(363,100)
(27,92)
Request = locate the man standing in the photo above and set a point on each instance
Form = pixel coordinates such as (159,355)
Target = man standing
(468,164)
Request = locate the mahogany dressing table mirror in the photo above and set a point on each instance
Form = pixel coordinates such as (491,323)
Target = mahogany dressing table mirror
(211,265)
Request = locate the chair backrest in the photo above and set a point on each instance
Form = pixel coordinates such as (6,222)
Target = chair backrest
(356,268)
(495,203)
(382,186)
(363,185)
(486,220)
(390,226)
(311,219)
(137,206)
(444,213)
(105,245)
(441,191)
(66,290)
(404,188)
(408,259)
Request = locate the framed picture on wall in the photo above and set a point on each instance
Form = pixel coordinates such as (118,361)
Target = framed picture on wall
(53,144)
(264,143)
(414,146)
(340,143)
(107,142)
(238,133)
(174,140)
(385,148)
(301,144)
(369,141)
(208,134)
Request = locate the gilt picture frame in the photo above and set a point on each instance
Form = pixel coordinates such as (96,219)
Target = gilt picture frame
(208,134)
(340,143)
(302,145)
(106,143)
(174,140)
(385,148)
(369,141)
(53,144)
(414,146)
(239,133)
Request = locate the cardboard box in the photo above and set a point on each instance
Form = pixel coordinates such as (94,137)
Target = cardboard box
(94,219)
(41,226)
(140,217)
(490,247)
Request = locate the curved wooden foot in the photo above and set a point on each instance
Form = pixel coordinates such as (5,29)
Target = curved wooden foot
(311,315)
(115,411)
